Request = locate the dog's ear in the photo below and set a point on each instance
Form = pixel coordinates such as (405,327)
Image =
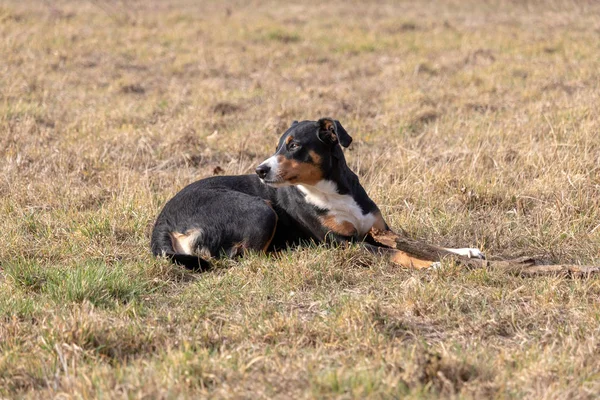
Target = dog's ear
(327,132)
(332,132)
(293,123)
(343,136)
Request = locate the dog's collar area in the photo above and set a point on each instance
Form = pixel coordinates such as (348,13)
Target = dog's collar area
(325,195)
(325,187)
(343,207)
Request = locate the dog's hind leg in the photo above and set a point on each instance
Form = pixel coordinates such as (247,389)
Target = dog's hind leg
(199,226)
(254,230)
(186,243)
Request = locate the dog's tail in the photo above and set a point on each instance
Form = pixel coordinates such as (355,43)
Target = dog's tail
(162,245)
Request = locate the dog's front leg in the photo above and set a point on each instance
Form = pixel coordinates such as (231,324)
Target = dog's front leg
(400,257)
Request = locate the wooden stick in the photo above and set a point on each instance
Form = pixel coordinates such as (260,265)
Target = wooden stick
(524,266)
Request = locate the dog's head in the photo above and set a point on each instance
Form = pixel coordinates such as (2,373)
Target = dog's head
(306,153)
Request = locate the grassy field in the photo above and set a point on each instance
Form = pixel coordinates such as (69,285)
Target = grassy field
(475,124)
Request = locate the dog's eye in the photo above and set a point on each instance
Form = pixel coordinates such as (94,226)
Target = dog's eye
(293,146)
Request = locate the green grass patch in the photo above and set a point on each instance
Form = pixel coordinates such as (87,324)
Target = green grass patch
(97,282)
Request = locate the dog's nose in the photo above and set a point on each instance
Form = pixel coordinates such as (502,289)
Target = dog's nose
(262,171)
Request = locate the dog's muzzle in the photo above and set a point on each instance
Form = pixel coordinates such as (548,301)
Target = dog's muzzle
(262,171)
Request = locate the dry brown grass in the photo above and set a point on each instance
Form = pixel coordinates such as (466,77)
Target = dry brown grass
(475,124)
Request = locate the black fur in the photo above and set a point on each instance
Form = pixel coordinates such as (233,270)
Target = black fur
(234,211)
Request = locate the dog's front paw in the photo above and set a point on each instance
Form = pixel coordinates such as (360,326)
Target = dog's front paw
(468,252)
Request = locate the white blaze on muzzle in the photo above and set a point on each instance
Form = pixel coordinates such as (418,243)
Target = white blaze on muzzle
(273,177)
(273,164)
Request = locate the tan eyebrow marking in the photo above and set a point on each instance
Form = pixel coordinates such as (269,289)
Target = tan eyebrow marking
(316,159)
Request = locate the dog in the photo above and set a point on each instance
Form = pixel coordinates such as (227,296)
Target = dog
(305,192)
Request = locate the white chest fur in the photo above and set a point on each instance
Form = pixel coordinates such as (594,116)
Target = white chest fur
(341,206)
